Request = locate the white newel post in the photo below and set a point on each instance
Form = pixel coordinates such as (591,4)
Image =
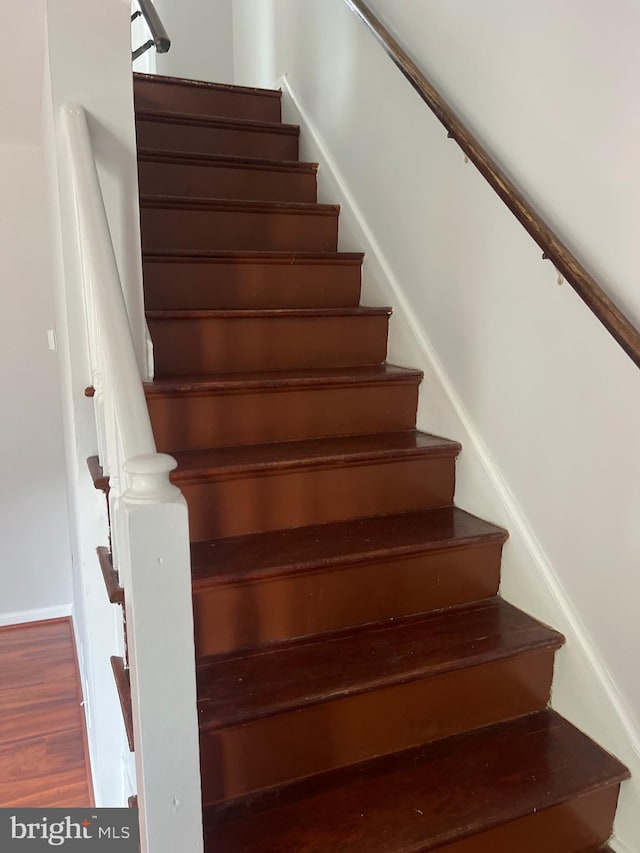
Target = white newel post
(156,575)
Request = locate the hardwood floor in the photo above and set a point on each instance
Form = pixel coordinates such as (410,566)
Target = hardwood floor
(44,760)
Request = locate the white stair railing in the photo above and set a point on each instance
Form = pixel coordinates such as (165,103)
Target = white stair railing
(149,530)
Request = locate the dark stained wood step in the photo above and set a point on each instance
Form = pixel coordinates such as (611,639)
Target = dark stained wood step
(203,134)
(99,478)
(123,687)
(283,456)
(200,342)
(412,681)
(530,785)
(240,490)
(235,689)
(155,91)
(217,176)
(268,587)
(172,222)
(278,379)
(255,408)
(267,313)
(248,280)
(284,552)
(115,592)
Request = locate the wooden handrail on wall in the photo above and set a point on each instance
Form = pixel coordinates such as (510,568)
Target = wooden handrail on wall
(587,288)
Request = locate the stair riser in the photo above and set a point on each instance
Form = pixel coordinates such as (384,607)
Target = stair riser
(201,100)
(285,747)
(230,617)
(195,229)
(185,285)
(223,181)
(222,420)
(252,504)
(195,346)
(206,139)
(580,825)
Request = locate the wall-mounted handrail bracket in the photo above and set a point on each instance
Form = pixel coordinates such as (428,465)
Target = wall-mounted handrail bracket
(142,49)
(159,36)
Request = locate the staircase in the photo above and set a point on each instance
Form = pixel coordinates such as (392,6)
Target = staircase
(362,687)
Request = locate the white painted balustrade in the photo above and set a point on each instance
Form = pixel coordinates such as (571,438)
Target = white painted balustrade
(149,529)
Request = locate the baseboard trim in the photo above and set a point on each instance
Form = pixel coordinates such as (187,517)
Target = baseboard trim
(43,614)
(616,728)
(619,847)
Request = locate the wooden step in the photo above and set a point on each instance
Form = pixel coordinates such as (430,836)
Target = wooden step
(367,693)
(265,588)
(100,482)
(530,785)
(240,490)
(123,688)
(201,342)
(155,92)
(115,593)
(175,223)
(216,176)
(201,134)
(412,681)
(250,280)
(229,409)
(99,478)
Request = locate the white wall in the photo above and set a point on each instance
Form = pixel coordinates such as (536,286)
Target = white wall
(97,74)
(201,39)
(545,403)
(35,560)
(550,88)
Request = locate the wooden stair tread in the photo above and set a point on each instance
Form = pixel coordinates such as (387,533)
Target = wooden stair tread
(115,592)
(123,687)
(425,798)
(166,156)
(203,120)
(301,549)
(265,313)
(248,256)
(265,682)
(318,377)
(205,84)
(314,452)
(238,206)
(99,478)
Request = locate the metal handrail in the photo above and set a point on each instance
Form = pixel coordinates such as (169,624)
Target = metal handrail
(159,37)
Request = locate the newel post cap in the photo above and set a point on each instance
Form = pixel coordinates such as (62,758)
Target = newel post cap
(149,478)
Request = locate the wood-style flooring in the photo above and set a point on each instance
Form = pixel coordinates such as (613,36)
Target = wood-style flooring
(43,751)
